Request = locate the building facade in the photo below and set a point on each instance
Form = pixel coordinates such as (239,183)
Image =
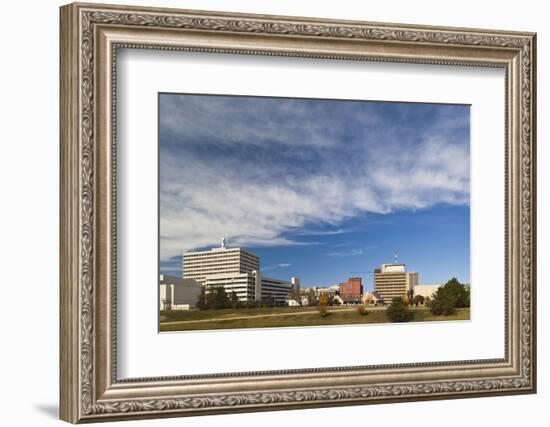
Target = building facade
(176,293)
(392,280)
(251,286)
(317,291)
(352,290)
(295,284)
(222,260)
(236,270)
(276,289)
(243,284)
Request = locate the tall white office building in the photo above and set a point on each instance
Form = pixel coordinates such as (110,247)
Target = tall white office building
(216,261)
(237,270)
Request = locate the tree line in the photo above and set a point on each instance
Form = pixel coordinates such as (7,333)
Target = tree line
(444,302)
(217,298)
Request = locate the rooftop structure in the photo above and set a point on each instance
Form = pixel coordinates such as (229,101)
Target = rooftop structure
(392,268)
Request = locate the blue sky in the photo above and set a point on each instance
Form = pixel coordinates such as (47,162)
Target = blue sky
(319,189)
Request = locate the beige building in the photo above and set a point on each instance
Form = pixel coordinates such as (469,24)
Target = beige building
(222,260)
(426,290)
(392,280)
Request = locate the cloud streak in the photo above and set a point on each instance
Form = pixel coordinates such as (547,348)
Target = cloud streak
(280,265)
(345,254)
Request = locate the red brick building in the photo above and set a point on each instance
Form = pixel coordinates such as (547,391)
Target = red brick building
(352,290)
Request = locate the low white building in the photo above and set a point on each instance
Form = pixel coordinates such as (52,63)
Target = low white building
(176,293)
(276,289)
(426,290)
(252,286)
(293,303)
(338,298)
(243,284)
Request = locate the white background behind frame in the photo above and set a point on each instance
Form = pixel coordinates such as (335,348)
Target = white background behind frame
(142,74)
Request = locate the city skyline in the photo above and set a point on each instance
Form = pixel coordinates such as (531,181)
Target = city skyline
(318,189)
(363,259)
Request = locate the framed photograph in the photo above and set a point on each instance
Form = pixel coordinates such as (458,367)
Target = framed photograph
(266,212)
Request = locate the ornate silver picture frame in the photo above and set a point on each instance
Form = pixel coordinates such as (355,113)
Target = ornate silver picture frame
(91,36)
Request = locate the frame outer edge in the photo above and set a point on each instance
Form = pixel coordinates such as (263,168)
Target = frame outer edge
(533,112)
(77,343)
(69,355)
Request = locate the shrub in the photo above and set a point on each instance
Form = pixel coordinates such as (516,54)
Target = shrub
(398,311)
(418,300)
(323,299)
(361,310)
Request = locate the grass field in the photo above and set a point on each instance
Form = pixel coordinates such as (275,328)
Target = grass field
(285,316)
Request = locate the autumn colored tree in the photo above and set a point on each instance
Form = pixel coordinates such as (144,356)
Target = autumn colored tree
(418,300)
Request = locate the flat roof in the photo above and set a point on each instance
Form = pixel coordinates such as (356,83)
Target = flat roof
(218,249)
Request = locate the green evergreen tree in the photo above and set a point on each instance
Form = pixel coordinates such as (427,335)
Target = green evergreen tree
(202,301)
(398,311)
(234,300)
(220,298)
(449,297)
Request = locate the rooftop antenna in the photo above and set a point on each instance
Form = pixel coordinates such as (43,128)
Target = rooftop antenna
(223,242)
(395,257)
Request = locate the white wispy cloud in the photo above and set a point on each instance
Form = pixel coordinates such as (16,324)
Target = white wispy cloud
(281,265)
(345,254)
(306,232)
(255,199)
